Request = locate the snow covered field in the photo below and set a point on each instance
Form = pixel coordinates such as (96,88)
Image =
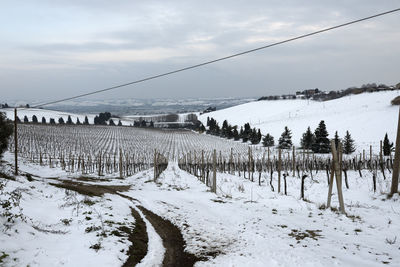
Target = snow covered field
(244,224)
(51,217)
(366,116)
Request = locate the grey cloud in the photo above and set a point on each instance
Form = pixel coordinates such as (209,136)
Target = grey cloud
(225,26)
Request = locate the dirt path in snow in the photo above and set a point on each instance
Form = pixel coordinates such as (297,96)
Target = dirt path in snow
(172,241)
(170,234)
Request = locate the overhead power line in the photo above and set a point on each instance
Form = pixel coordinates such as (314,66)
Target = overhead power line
(218,59)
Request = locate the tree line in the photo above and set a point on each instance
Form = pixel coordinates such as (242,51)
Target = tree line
(316,141)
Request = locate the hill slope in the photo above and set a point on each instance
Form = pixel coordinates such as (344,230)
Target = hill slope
(366,116)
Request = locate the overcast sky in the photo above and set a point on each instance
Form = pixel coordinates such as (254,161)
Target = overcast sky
(52,49)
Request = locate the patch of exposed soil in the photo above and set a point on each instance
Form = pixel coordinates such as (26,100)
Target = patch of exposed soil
(91,189)
(172,241)
(139,239)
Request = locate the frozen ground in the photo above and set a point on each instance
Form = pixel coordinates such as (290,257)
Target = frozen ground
(244,224)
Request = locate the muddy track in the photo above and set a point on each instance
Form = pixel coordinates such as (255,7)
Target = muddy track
(172,241)
(170,234)
(139,239)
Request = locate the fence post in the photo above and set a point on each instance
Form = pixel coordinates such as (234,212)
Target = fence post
(395,178)
(294,162)
(279,169)
(214,183)
(155,164)
(202,167)
(15,142)
(338,175)
(120,164)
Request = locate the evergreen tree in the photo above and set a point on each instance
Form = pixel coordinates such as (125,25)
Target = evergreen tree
(61,120)
(69,120)
(26,119)
(348,144)
(285,141)
(337,140)
(224,129)
(322,143)
(34,119)
(202,129)
(235,134)
(308,139)
(18,120)
(387,146)
(241,132)
(111,122)
(86,122)
(119,123)
(254,137)
(52,121)
(96,120)
(259,136)
(43,120)
(268,140)
(78,122)
(6,130)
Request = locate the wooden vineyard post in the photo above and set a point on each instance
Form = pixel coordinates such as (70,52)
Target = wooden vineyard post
(363,155)
(337,166)
(370,153)
(121,175)
(202,167)
(332,176)
(155,165)
(294,162)
(99,164)
(15,142)
(279,169)
(248,165)
(396,164)
(231,162)
(214,183)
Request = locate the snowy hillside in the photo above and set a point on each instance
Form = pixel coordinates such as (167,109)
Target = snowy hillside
(366,116)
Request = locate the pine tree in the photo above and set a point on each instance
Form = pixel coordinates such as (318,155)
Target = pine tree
(52,121)
(120,123)
(111,122)
(26,119)
(268,140)
(322,143)
(236,136)
(308,139)
(6,130)
(86,122)
(224,129)
(348,144)
(285,141)
(337,140)
(43,120)
(387,146)
(254,137)
(61,120)
(78,122)
(69,120)
(34,119)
